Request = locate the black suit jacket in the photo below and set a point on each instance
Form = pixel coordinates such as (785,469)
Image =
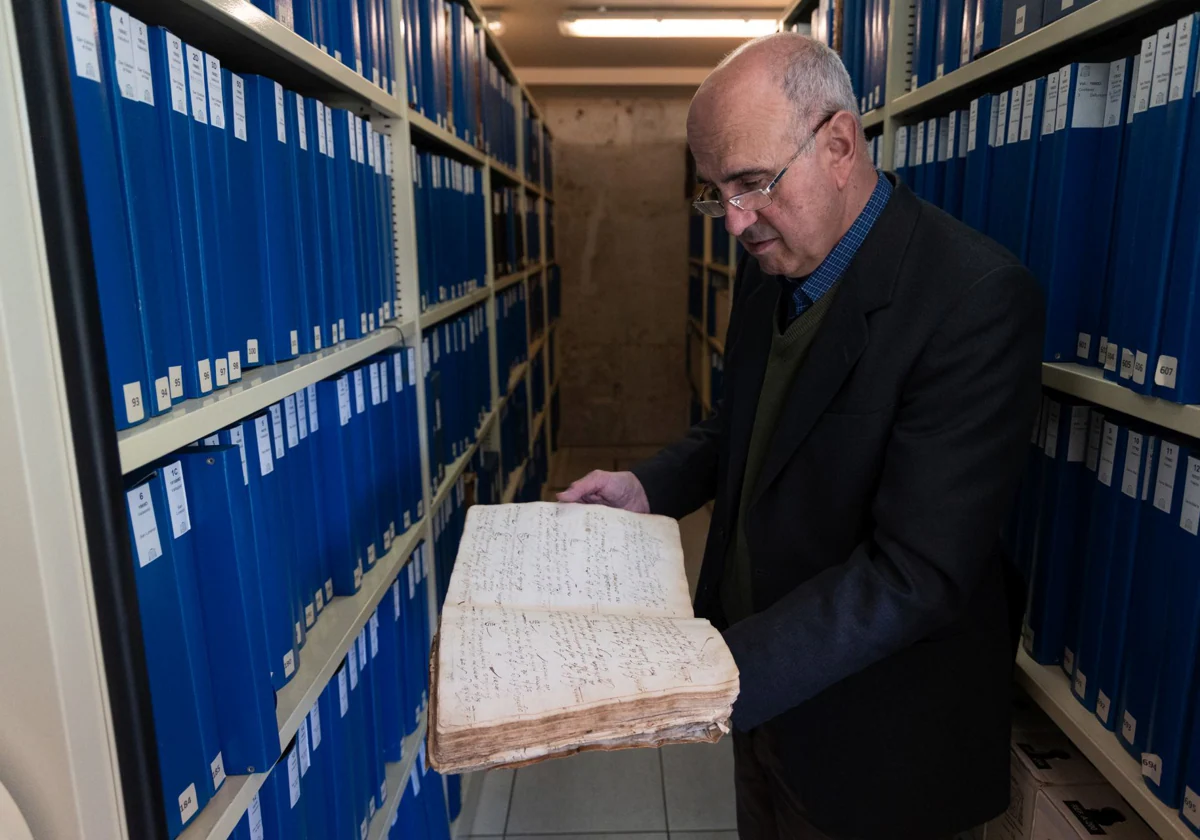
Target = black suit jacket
(878,658)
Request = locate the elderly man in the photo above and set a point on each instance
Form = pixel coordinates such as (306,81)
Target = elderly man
(882,369)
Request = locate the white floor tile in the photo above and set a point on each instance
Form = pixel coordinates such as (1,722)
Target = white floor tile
(600,792)
(492,811)
(699,782)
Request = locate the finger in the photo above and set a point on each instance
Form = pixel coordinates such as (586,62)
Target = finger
(591,484)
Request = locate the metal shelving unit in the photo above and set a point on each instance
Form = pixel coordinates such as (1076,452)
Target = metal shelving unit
(442,311)
(396,779)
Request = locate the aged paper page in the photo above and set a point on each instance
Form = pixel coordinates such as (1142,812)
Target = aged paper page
(577,557)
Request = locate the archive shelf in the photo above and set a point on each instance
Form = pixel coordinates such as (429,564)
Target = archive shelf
(513,484)
(327,644)
(716,344)
(442,311)
(1088,383)
(516,375)
(396,779)
(432,131)
(506,172)
(1048,686)
(258,388)
(510,279)
(240,34)
(456,469)
(874,118)
(720,268)
(537,345)
(537,424)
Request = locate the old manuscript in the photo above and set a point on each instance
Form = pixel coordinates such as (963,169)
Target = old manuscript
(569,627)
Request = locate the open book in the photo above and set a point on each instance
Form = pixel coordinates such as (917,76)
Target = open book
(569,627)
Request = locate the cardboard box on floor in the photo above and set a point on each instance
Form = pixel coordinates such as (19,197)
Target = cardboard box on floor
(1080,813)
(1039,761)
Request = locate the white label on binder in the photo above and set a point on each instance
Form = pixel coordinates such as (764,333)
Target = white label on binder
(343,697)
(1077,443)
(1016,101)
(212,440)
(359,127)
(235,365)
(1083,345)
(252,351)
(1145,74)
(352,666)
(371,554)
(362,649)
(918,155)
(321,145)
(277,430)
(343,388)
(1058,87)
(294,339)
(1183,42)
(123,53)
(972,125)
(293,771)
(316,337)
(1027,107)
(373,624)
(945,143)
(1164,486)
(1189,516)
(1019,23)
(289,663)
(1128,727)
(412,366)
(360,399)
(362,827)
(978,32)
(998,115)
(1164,374)
(301,415)
(1091,94)
(1162,67)
(319,597)
(299,634)
(162,393)
(263,435)
(1052,419)
(293,422)
(370,145)
(1116,90)
(1152,767)
(313,423)
(145,528)
(314,719)
(217,769)
(216,96)
(254,818)
(280,117)
(1108,452)
(141,61)
(411,578)
(362,318)
(1050,104)
(421,758)
(181,521)
(1133,465)
(1110,355)
(375,397)
(415,780)
(302,743)
(329,131)
(1126,363)
(222,366)
(358,575)
(1191,806)
(387,155)
(1140,361)
(1068,662)
(301,124)
(176,73)
(1080,683)
(1095,432)
(383,386)
(236,437)
(1103,704)
(329,590)
(81,20)
(239,106)
(195,62)
(188,806)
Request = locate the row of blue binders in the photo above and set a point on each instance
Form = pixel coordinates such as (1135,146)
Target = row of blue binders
(858,30)
(452,80)
(358,33)
(514,430)
(1107,530)
(458,389)
(1107,155)
(233,223)
(512,326)
(447,523)
(533,133)
(269,520)
(449,206)
(331,780)
(512,219)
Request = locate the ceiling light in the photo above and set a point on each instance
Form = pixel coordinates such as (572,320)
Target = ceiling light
(675,25)
(496,26)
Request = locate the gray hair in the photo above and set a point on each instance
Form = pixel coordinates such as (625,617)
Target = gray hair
(813,77)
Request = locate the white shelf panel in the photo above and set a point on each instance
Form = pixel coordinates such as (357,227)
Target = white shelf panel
(514,483)
(397,779)
(507,172)
(442,311)
(259,387)
(243,36)
(328,642)
(874,117)
(1089,383)
(456,469)
(1049,688)
(435,132)
(510,279)
(1087,22)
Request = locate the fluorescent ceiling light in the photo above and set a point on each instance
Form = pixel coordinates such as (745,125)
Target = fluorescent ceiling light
(626,25)
(496,26)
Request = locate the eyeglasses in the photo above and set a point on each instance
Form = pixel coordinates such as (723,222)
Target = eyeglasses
(753,199)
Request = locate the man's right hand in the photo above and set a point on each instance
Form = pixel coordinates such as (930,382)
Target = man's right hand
(612,489)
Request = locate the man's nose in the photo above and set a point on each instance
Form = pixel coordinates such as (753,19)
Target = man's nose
(737,220)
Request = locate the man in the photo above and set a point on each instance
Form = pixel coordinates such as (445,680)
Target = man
(882,369)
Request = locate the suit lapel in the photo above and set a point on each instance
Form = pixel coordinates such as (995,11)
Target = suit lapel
(866,286)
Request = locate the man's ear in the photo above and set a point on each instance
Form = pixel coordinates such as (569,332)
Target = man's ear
(841,145)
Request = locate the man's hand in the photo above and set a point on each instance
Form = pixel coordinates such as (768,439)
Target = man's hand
(612,489)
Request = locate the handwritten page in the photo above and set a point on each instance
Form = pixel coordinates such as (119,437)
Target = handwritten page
(497,665)
(570,557)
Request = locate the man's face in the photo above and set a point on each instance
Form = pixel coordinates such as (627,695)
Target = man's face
(741,134)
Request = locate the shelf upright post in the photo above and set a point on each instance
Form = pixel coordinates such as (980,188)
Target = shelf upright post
(898,71)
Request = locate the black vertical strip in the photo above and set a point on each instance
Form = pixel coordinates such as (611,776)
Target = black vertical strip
(42,43)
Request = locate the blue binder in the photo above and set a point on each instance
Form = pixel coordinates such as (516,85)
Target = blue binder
(176,654)
(977,173)
(949,32)
(308,422)
(343,551)
(285,478)
(218,499)
(306,561)
(311,295)
(362,474)
(141,159)
(250,826)
(989,15)
(280,799)
(343,807)
(1020,18)
(925,28)
(955,163)
(314,773)
(352,318)
(330,247)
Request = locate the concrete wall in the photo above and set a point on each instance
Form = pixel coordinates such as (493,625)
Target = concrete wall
(622,243)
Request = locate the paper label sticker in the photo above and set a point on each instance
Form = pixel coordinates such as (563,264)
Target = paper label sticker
(289,663)
(319,597)
(1019,23)
(1126,363)
(195,64)
(362,649)
(122,31)
(280,117)
(277,430)
(301,124)
(1108,452)
(216,96)
(343,695)
(1133,465)
(414,780)
(1080,684)
(1050,446)
(252,351)
(254,813)
(360,400)
(302,744)
(313,423)
(1191,807)
(1116,91)
(1152,767)
(189,806)
(235,365)
(1165,372)
(1145,74)
(373,624)
(1164,485)
(145,529)
(292,421)
(376,398)
(162,393)
(1027,110)
(1103,704)
(204,371)
(217,769)
(81,20)
(222,365)
(1091,94)
(238,440)
(141,62)
(329,149)
(1140,360)
(239,107)
(181,521)
(329,590)
(352,666)
(293,771)
(1128,727)
(314,720)
(316,337)
(301,415)
(262,434)
(1161,85)
(1077,443)
(320,127)
(1189,517)
(310,615)
(176,73)
(972,125)
(1083,345)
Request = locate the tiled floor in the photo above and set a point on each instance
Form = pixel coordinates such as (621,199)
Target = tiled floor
(676,793)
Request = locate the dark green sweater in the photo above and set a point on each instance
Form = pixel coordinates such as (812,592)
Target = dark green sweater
(789,349)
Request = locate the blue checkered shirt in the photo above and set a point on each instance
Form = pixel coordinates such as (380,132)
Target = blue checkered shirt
(806,292)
